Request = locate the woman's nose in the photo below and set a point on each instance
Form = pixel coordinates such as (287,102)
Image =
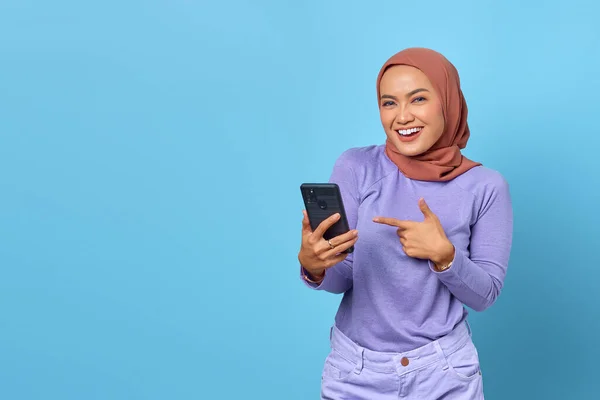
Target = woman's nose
(404,116)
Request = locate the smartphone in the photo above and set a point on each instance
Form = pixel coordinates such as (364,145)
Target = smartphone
(322,200)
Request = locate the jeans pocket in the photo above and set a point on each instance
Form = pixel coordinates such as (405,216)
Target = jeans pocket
(464,362)
(337,367)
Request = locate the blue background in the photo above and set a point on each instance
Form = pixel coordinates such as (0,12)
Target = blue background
(151,154)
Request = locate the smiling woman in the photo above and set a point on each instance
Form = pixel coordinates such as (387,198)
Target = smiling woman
(432,232)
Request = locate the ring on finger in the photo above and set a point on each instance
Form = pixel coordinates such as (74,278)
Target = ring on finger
(330,244)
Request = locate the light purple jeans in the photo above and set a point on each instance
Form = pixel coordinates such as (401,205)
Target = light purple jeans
(447,368)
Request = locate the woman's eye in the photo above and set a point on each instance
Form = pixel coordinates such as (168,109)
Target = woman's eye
(388,103)
(419,100)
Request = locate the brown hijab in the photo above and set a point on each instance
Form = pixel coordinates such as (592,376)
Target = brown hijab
(443,161)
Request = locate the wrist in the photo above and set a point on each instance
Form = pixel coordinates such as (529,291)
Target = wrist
(314,276)
(444,256)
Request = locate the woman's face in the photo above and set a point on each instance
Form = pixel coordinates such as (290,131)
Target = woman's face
(410,110)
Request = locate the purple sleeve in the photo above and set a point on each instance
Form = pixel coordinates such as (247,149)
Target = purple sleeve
(476,280)
(338,278)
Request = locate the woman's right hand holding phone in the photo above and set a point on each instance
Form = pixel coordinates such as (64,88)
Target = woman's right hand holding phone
(317,254)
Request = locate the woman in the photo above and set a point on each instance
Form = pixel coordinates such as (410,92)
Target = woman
(432,232)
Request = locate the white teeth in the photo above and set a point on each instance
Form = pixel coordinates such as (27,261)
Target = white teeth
(408,131)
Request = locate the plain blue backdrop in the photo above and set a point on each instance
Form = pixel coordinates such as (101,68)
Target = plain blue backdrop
(151,154)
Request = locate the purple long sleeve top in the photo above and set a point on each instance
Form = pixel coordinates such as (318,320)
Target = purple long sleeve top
(392,302)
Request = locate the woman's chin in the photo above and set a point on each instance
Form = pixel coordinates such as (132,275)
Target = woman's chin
(411,149)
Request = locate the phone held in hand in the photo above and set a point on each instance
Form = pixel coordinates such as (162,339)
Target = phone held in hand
(322,200)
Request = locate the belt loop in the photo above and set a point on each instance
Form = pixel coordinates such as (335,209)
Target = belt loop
(442,355)
(360,361)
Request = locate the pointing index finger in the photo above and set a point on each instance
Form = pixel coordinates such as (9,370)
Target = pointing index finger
(392,222)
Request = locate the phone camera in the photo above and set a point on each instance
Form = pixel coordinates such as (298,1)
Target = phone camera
(312,197)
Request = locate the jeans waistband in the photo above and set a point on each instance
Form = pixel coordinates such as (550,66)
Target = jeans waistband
(400,363)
